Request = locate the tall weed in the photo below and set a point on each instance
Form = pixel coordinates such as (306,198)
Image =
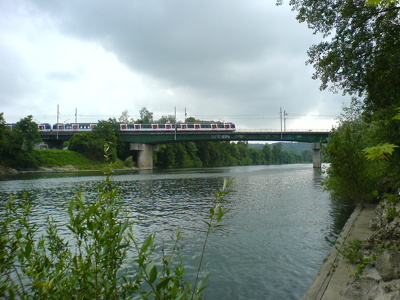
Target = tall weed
(102,259)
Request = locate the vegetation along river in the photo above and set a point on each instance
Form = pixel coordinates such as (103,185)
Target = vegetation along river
(279,229)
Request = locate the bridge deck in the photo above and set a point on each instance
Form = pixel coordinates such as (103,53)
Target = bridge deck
(196,136)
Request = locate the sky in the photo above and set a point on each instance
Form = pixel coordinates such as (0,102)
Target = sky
(223,60)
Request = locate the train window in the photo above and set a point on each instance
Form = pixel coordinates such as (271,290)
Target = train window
(227,126)
(41,127)
(161,126)
(123,127)
(197,126)
(137,126)
(168,126)
(190,126)
(154,126)
(61,127)
(75,126)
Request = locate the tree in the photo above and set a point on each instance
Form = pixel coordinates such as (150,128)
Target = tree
(124,118)
(361,35)
(91,144)
(28,132)
(167,119)
(361,58)
(267,153)
(145,116)
(352,177)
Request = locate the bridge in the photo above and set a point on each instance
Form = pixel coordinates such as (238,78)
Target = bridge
(147,142)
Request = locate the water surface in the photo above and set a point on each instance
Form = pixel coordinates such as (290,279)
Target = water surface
(275,236)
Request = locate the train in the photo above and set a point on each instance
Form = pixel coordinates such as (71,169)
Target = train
(82,127)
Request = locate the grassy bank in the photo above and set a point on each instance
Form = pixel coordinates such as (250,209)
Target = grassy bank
(63,158)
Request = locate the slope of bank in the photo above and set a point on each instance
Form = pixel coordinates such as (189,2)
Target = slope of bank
(380,276)
(62,161)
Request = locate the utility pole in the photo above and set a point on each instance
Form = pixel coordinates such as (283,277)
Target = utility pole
(284,120)
(280,115)
(175,124)
(76,115)
(58,117)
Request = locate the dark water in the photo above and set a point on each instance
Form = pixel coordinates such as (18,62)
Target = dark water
(275,236)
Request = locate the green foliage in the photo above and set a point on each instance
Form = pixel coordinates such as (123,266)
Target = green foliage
(211,154)
(352,178)
(354,252)
(87,144)
(96,261)
(28,132)
(381,2)
(146,116)
(91,144)
(16,146)
(380,152)
(61,158)
(128,162)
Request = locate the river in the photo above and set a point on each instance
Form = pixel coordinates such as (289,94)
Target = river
(280,225)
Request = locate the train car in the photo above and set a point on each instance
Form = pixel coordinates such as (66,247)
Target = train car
(74,126)
(41,127)
(44,127)
(228,126)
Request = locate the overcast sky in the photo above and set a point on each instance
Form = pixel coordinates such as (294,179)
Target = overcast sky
(227,60)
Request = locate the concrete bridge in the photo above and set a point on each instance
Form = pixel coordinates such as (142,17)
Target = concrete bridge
(145,143)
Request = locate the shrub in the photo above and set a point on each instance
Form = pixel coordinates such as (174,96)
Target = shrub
(97,265)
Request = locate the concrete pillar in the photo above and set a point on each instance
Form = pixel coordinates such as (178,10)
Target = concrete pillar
(316,155)
(145,154)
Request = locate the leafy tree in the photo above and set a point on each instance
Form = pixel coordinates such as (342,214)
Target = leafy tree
(28,132)
(167,119)
(307,155)
(267,153)
(277,153)
(145,116)
(88,144)
(351,176)
(359,34)
(124,118)
(360,58)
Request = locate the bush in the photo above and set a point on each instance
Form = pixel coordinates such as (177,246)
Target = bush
(96,266)
(128,162)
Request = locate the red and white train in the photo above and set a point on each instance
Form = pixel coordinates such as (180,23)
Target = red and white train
(82,127)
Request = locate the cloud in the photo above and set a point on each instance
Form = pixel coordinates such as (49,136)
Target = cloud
(216,58)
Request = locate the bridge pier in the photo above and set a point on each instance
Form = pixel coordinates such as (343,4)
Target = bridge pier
(316,155)
(144,154)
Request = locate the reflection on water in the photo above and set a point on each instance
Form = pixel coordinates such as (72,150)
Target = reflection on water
(275,237)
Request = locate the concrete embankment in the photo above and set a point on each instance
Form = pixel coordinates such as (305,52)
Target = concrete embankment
(335,271)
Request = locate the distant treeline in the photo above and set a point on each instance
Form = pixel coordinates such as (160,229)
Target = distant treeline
(209,154)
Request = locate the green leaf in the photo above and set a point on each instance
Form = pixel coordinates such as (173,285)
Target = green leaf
(28,249)
(380,152)
(151,270)
(146,244)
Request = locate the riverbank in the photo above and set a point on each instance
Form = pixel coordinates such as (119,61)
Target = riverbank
(380,279)
(65,161)
(62,169)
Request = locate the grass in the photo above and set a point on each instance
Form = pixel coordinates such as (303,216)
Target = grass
(62,158)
